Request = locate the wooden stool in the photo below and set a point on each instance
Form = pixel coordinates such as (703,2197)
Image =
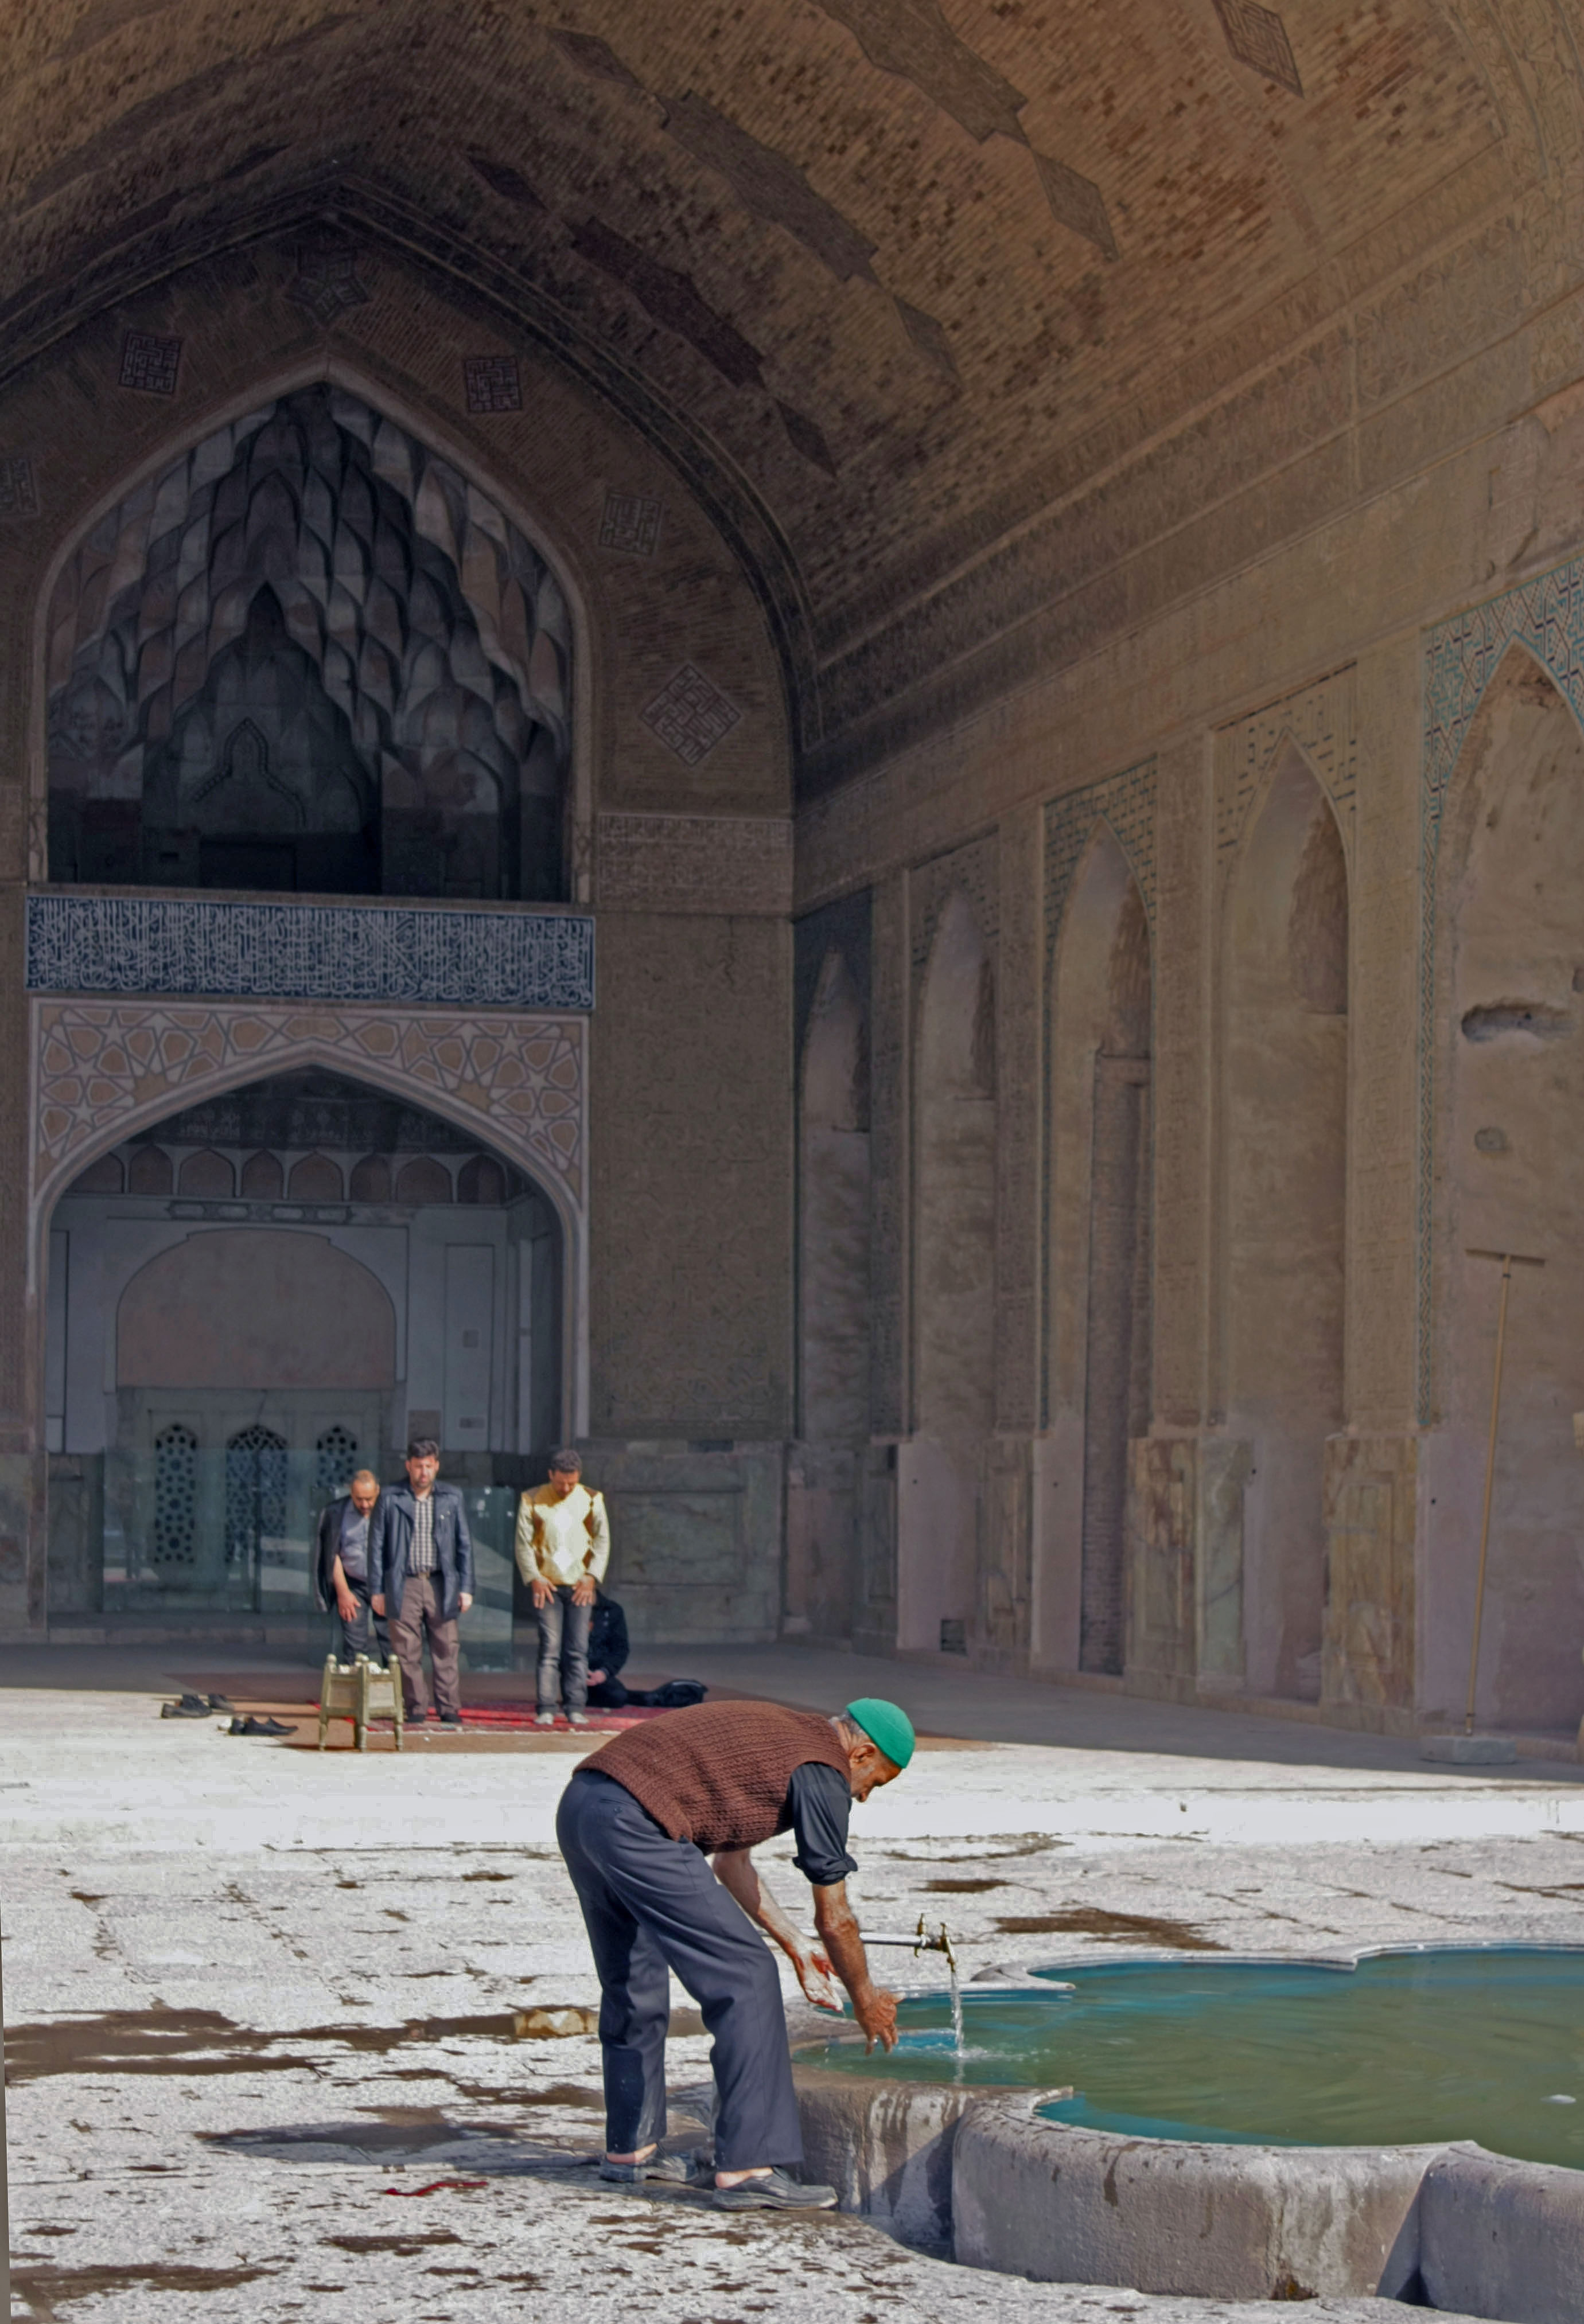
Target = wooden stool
(358,1690)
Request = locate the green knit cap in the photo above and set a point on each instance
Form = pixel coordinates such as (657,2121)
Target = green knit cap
(884,1725)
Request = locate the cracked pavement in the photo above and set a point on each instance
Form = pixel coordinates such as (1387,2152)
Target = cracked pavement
(258,2002)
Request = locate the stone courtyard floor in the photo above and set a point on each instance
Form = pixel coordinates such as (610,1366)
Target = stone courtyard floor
(262,2005)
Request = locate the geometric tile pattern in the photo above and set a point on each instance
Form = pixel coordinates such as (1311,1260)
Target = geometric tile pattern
(19,489)
(491,382)
(691,715)
(311,952)
(631,523)
(149,363)
(103,1066)
(1257,37)
(1461,656)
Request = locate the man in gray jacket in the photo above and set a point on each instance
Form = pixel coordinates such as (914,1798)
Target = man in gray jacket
(341,1571)
(420,1568)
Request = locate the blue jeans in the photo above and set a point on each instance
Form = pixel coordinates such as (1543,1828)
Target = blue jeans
(564,1652)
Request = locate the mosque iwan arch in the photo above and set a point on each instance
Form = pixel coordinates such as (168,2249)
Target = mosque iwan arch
(865,649)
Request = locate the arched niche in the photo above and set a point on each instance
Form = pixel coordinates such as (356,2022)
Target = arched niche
(252,1308)
(833,1200)
(954,1272)
(1099,1334)
(1510,1127)
(833,1307)
(309,653)
(1284,1173)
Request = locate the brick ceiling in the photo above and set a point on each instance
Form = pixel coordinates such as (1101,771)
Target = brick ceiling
(916,268)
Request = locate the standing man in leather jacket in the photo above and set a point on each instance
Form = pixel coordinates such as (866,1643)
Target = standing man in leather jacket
(421,1567)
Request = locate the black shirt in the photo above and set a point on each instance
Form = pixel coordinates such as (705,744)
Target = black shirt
(819,1802)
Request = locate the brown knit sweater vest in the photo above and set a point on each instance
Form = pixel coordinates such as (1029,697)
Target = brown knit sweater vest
(718,1775)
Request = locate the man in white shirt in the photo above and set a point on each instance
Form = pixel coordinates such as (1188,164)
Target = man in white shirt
(563,1547)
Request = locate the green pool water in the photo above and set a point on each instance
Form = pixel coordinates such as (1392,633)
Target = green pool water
(1407,2047)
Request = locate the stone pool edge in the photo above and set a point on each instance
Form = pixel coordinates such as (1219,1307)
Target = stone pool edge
(972,2172)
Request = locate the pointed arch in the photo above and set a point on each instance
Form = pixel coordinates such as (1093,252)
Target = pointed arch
(954,1260)
(833,1284)
(1283,1178)
(1509,1122)
(417,1054)
(1099,1302)
(487,698)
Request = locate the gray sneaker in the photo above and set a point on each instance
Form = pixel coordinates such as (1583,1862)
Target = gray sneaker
(544,1719)
(676,2168)
(576,1718)
(774,2192)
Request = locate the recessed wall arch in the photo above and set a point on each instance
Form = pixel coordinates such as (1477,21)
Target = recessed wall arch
(103,1070)
(1097,1235)
(1508,1119)
(1544,618)
(942,1535)
(1283,1180)
(425,427)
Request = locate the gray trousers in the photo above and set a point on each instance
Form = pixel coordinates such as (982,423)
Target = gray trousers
(651,1904)
(366,1633)
(564,1652)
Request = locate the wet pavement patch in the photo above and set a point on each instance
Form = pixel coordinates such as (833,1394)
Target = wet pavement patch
(410,2247)
(203,2042)
(1112,1928)
(47,2291)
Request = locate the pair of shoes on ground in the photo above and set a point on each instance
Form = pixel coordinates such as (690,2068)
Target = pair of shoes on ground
(547,1719)
(774,2191)
(259,1726)
(442,1718)
(197,1706)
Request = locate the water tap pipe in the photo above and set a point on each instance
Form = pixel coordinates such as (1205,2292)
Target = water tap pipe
(922,1940)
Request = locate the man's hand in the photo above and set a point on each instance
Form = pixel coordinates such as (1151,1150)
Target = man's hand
(875,2012)
(465,1600)
(345,1605)
(543,1591)
(583,1591)
(814,1974)
(379,1604)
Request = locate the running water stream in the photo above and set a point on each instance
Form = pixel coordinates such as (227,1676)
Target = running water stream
(957,2033)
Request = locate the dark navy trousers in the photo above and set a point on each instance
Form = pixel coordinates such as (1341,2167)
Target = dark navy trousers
(651,1904)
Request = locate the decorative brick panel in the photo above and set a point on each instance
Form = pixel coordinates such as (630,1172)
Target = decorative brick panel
(695,864)
(491,382)
(150,364)
(631,523)
(691,715)
(19,486)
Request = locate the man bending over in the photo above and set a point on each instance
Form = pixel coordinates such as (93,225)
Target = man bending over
(637,1824)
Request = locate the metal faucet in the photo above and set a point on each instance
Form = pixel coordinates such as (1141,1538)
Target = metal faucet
(922,1940)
